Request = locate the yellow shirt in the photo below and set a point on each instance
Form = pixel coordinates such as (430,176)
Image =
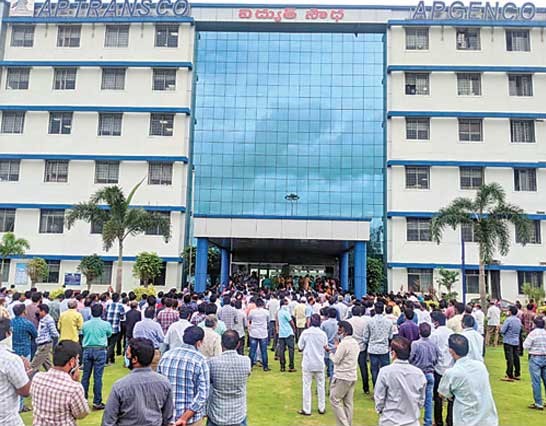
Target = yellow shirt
(299,314)
(70,325)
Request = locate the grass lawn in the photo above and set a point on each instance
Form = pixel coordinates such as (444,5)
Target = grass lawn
(275,398)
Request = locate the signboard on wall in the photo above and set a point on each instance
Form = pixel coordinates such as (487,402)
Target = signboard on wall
(21,275)
(478,10)
(72,279)
(290,14)
(21,8)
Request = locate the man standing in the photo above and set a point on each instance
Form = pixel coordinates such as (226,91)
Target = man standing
(175,334)
(299,315)
(188,373)
(359,322)
(440,336)
(409,329)
(377,335)
(258,320)
(57,395)
(475,339)
(510,330)
(129,402)
(228,376)
(455,323)
(168,315)
(273,306)
(131,318)
(535,343)
(285,331)
(479,316)
(47,334)
(227,313)
(24,332)
(70,322)
(467,384)
(343,383)
(95,341)
(330,328)
(149,329)
(400,389)
(312,342)
(115,314)
(425,355)
(493,324)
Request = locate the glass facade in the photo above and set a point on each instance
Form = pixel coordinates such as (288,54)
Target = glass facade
(289,113)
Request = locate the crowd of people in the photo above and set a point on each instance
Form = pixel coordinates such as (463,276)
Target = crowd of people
(190,355)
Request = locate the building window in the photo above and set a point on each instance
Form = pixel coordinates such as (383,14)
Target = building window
(60,123)
(7,220)
(51,221)
(468,39)
(110,124)
(520,84)
(164,79)
(417,83)
(471,177)
(116,36)
(470,130)
(469,84)
(64,79)
(525,179)
(106,277)
(166,36)
(160,279)
(53,271)
(418,229)
(13,122)
(22,36)
(419,280)
(417,38)
(535,236)
(522,131)
(56,171)
(160,173)
(536,279)
(473,281)
(418,128)
(161,124)
(17,78)
(68,35)
(518,41)
(156,230)
(113,79)
(96,227)
(468,232)
(418,177)
(9,170)
(106,171)
(6,264)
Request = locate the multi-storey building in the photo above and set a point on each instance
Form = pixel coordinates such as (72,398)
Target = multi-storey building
(292,134)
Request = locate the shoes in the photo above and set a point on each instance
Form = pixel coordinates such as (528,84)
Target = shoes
(272,349)
(535,407)
(100,406)
(283,370)
(517,378)
(367,392)
(507,379)
(267,369)
(303,413)
(321,411)
(292,370)
(25,409)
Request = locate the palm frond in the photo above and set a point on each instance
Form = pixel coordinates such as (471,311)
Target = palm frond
(455,214)
(489,194)
(132,193)
(88,212)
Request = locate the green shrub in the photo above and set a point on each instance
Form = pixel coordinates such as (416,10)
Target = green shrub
(149,291)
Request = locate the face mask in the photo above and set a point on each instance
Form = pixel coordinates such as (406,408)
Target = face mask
(130,366)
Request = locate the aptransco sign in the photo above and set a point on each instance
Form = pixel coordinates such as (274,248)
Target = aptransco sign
(489,11)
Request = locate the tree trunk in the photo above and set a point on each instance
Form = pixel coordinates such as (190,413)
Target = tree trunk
(482,283)
(119,271)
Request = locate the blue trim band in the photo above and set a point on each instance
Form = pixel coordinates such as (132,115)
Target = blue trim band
(496,164)
(391,214)
(79,257)
(273,217)
(465,68)
(95,19)
(469,114)
(463,23)
(101,64)
(85,108)
(81,157)
(180,209)
(523,268)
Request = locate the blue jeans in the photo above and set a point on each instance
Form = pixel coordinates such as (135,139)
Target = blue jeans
(263,350)
(428,399)
(537,370)
(329,367)
(376,362)
(94,360)
(210,423)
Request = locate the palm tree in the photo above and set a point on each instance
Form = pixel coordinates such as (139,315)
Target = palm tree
(110,208)
(11,246)
(490,215)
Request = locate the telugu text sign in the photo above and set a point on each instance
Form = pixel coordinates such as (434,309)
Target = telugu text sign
(291,14)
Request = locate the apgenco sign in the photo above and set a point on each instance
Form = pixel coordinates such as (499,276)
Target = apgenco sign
(478,10)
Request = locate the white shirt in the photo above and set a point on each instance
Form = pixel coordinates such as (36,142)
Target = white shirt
(259,319)
(440,336)
(423,316)
(475,344)
(175,333)
(12,377)
(359,324)
(479,316)
(493,316)
(312,342)
(273,306)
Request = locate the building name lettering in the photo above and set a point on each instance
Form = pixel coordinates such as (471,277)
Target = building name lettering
(478,10)
(290,14)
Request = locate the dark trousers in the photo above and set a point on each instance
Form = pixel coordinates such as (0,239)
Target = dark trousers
(286,342)
(241,347)
(120,344)
(376,362)
(511,354)
(112,341)
(273,336)
(438,405)
(363,365)
(94,360)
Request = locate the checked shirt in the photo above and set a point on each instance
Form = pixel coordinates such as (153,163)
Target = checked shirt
(114,315)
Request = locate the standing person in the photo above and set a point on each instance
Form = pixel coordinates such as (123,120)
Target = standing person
(467,384)
(273,307)
(70,322)
(285,331)
(175,334)
(377,335)
(227,313)
(14,381)
(131,318)
(359,322)
(239,325)
(479,316)
(475,339)
(424,355)
(228,376)
(440,336)
(168,315)
(409,329)
(57,395)
(95,342)
(258,320)
(299,315)
(312,342)
(115,314)
(455,323)
(31,314)
(188,373)
(343,383)
(129,403)
(528,319)
(24,332)
(47,334)
(212,343)
(149,329)
(330,328)
(400,389)
(493,324)
(510,330)
(535,343)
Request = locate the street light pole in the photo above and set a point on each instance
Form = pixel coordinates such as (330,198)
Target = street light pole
(292,198)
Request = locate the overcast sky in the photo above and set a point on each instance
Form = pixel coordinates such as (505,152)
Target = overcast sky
(349,2)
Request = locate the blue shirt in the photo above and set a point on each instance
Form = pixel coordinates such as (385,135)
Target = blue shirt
(510,330)
(86,313)
(23,333)
(46,330)
(285,329)
(424,354)
(149,329)
(114,315)
(330,328)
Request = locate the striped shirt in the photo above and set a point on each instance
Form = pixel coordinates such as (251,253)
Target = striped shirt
(46,330)
(23,333)
(535,342)
(12,377)
(167,317)
(115,314)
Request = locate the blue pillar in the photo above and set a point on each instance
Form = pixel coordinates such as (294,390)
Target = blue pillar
(201,265)
(360,269)
(344,271)
(224,269)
